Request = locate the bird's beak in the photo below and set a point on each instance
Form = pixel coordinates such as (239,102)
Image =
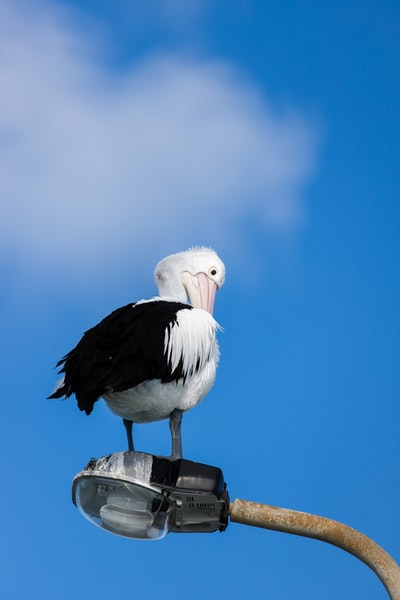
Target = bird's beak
(201,290)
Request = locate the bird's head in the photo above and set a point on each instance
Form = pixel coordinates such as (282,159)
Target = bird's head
(196,275)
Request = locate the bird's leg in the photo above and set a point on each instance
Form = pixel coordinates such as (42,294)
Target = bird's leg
(175,421)
(128,426)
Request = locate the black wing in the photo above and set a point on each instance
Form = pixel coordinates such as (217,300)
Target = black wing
(123,350)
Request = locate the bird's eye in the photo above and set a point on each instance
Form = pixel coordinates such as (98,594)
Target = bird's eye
(212,271)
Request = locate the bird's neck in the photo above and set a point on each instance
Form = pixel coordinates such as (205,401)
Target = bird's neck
(172,290)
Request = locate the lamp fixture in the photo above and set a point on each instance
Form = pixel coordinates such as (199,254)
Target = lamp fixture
(141,496)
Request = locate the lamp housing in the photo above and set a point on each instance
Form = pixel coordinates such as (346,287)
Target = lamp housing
(141,496)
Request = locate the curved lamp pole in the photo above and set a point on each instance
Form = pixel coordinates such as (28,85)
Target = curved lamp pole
(326,530)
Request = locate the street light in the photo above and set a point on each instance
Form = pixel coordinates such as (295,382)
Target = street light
(142,496)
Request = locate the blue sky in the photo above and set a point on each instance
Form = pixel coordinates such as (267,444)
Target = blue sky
(271,132)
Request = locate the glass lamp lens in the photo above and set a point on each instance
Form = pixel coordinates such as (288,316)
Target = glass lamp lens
(125,509)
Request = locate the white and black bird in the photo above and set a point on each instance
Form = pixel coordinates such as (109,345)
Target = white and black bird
(156,358)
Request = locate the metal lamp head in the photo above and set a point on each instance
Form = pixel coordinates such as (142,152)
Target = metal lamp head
(142,496)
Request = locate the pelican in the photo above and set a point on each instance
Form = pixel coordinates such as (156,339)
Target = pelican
(153,359)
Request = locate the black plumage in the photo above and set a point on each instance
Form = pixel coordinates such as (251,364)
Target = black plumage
(125,349)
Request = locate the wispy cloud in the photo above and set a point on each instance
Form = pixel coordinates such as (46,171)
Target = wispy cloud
(99,166)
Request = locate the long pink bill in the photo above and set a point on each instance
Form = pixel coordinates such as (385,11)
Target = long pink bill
(201,291)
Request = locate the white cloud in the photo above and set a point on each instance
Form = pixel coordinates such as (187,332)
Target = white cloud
(97,166)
